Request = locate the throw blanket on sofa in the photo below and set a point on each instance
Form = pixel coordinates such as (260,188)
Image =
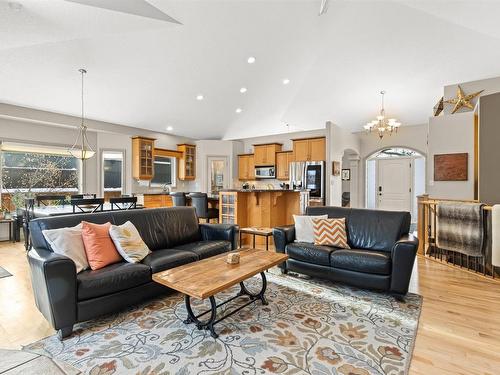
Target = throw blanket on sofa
(460,227)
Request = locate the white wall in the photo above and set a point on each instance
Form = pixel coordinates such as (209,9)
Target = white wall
(285,139)
(338,141)
(413,137)
(207,148)
(31,126)
(489,85)
(451,134)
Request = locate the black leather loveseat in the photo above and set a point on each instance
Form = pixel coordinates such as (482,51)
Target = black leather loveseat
(381,256)
(174,236)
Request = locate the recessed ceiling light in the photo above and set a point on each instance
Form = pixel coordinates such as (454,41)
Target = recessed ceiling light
(251,60)
(286,81)
(243,90)
(199,97)
(238,110)
(169,128)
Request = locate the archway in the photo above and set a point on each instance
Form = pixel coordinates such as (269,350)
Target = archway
(395,176)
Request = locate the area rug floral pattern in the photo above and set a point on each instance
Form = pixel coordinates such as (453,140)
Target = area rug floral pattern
(309,327)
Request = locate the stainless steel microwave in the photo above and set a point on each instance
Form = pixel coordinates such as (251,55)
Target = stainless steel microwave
(265,172)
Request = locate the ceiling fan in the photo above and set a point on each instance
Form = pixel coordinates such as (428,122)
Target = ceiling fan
(136,7)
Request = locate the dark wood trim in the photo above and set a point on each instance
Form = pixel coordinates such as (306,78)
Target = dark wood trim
(304,139)
(245,154)
(186,144)
(267,144)
(167,152)
(141,137)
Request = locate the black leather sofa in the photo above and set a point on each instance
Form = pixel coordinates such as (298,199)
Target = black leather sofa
(381,256)
(174,236)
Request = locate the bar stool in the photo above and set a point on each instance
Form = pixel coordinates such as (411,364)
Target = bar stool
(178,198)
(200,203)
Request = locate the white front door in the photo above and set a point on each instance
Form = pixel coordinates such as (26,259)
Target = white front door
(394,184)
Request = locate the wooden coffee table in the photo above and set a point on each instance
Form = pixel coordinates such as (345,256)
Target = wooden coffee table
(207,277)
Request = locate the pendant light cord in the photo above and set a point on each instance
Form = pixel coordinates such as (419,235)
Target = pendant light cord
(83,71)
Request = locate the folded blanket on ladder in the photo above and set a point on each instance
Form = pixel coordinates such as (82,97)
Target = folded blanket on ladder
(460,228)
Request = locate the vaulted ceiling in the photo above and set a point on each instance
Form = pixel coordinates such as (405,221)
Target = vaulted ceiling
(146,70)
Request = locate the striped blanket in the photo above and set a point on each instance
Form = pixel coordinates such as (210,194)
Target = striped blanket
(460,228)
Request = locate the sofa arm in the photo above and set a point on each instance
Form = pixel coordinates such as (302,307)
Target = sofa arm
(283,236)
(403,257)
(53,278)
(227,232)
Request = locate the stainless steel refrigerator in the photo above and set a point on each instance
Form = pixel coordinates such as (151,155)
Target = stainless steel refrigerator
(309,175)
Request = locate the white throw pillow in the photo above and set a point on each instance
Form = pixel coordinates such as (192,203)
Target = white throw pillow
(304,227)
(128,242)
(68,242)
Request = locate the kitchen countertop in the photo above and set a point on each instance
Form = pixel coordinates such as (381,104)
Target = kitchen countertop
(263,190)
(167,193)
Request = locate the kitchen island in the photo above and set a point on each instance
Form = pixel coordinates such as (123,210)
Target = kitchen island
(163,199)
(259,208)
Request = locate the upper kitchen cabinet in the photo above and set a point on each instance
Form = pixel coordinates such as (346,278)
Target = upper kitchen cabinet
(246,167)
(283,160)
(309,149)
(265,155)
(143,158)
(187,162)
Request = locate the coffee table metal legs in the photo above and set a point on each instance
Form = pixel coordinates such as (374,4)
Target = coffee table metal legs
(209,324)
(244,291)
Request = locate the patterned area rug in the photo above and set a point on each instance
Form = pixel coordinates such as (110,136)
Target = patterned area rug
(309,327)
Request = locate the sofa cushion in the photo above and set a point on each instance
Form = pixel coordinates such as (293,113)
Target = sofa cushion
(310,253)
(111,279)
(366,261)
(207,249)
(161,260)
(162,228)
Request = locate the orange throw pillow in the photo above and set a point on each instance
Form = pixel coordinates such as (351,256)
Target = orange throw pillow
(99,247)
(330,232)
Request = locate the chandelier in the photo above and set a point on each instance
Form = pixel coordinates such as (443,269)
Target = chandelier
(82,149)
(382,125)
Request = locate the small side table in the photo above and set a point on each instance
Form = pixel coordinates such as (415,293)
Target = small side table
(256,231)
(11,223)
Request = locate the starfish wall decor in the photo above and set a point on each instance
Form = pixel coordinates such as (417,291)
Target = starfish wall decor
(462,100)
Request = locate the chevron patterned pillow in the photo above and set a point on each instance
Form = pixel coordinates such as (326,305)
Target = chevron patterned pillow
(330,232)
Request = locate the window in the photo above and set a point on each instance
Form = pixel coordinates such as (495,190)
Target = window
(112,173)
(38,169)
(164,171)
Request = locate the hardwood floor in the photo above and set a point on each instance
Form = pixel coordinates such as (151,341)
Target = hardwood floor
(459,331)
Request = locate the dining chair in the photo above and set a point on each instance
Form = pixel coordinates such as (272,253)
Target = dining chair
(50,199)
(82,196)
(178,198)
(200,203)
(123,203)
(28,214)
(88,205)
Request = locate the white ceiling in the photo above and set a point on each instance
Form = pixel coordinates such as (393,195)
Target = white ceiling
(146,72)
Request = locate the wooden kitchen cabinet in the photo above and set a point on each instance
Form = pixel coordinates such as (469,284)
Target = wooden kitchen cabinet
(283,160)
(143,158)
(187,162)
(265,154)
(318,149)
(157,200)
(309,149)
(246,167)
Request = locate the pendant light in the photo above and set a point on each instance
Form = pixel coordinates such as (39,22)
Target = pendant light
(82,149)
